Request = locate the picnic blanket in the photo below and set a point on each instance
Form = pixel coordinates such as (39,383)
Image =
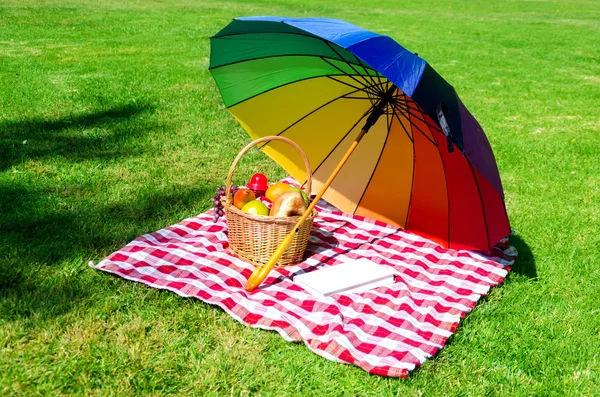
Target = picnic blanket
(388,331)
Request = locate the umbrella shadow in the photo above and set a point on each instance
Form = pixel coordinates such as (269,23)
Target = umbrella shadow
(525,263)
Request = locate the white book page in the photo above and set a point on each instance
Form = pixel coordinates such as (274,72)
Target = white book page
(349,277)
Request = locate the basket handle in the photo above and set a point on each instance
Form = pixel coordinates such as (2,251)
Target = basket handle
(256,142)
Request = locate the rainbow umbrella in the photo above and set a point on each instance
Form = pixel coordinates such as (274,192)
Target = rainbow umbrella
(423,162)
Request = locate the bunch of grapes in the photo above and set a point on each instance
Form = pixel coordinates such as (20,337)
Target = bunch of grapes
(216,200)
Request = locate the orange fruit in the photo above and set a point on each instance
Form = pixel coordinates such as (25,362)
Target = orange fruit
(275,190)
(243,196)
(256,207)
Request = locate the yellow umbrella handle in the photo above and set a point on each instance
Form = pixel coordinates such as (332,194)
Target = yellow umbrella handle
(261,272)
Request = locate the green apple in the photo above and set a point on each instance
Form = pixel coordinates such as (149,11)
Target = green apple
(256,207)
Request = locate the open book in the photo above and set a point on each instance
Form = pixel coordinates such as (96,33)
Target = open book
(349,277)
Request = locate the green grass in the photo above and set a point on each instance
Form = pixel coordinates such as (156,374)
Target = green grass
(111,127)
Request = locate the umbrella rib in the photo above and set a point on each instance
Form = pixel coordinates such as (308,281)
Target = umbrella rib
(363,89)
(373,98)
(375,83)
(351,63)
(379,87)
(411,111)
(383,82)
(291,82)
(408,109)
(424,119)
(349,75)
(367,73)
(341,140)
(387,135)
(403,127)
(309,114)
(416,126)
(447,189)
(487,234)
(217,36)
(356,97)
(282,56)
(412,185)
(407,114)
(443,165)
(363,65)
(303,35)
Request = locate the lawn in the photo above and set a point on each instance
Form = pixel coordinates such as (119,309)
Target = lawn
(112,127)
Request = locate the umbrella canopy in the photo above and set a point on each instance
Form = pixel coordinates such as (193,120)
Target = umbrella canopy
(425,164)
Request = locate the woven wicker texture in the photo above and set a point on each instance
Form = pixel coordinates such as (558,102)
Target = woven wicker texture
(255,238)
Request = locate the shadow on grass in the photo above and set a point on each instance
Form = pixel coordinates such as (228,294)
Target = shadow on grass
(49,231)
(47,252)
(75,137)
(525,263)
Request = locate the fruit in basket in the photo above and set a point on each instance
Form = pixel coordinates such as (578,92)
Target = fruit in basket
(256,207)
(289,203)
(258,184)
(275,190)
(218,197)
(242,197)
(303,193)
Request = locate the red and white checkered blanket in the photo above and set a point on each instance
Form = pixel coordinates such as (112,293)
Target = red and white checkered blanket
(387,331)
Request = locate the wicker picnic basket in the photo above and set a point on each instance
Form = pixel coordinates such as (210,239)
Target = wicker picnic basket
(255,238)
